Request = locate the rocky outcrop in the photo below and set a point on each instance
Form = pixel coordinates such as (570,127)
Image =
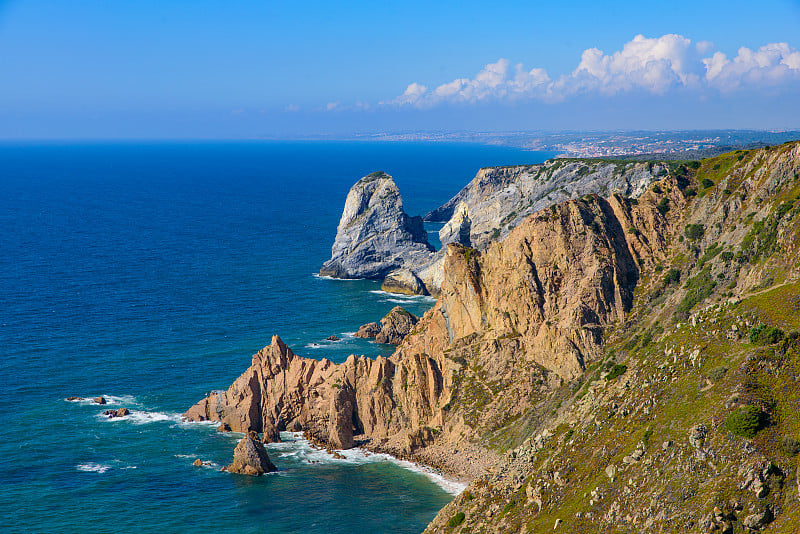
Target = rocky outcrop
(392,329)
(121,412)
(521,316)
(404,281)
(396,326)
(369,330)
(375,236)
(457,229)
(500,198)
(250,458)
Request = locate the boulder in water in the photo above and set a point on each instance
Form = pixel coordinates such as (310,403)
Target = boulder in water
(250,458)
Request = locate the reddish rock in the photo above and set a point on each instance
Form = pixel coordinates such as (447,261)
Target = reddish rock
(74,398)
(396,326)
(250,458)
(99,400)
(224,427)
(198,463)
(368,331)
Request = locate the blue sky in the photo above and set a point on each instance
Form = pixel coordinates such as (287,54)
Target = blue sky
(201,69)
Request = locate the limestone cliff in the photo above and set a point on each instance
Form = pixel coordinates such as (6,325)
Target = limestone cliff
(375,235)
(499,198)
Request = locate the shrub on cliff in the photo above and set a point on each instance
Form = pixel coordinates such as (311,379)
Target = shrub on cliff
(456,520)
(746,421)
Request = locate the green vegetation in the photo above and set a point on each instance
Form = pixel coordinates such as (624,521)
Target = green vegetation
(673,276)
(663,206)
(456,520)
(699,288)
(706,183)
(790,446)
(746,421)
(709,255)
(616,371)
(717,373)
(765,335)
(761,241)
(693,232)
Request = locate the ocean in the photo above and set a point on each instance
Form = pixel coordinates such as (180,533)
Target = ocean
(149,273)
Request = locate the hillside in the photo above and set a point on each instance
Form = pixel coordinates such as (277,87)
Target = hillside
(688,419)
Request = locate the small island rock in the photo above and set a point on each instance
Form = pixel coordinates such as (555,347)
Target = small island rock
(250,458)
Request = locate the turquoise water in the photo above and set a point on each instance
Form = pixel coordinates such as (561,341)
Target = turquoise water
(150,273)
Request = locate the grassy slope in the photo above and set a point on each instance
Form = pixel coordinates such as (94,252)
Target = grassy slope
(690,363)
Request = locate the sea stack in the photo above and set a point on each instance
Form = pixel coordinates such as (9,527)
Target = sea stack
(250,458)
(375,236)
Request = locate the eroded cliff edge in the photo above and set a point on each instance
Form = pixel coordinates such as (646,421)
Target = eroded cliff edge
(604,345)
(512,322)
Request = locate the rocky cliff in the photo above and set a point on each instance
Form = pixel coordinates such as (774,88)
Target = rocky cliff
(375,236)
(630,356)
(499,198)
(382,245)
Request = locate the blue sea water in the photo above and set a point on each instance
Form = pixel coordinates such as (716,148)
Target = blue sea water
(150,273)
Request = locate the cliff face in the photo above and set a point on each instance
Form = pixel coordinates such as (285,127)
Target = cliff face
(500,198)
(375,239)
(513,320)
(609,346)
(375,235)
(650,437)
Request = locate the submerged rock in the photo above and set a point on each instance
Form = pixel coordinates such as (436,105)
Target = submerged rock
(122,412)
(251,458)
(375,236)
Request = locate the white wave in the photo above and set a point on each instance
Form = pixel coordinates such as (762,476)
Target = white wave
(325,277)
(121,399)
(403,298)
(313,346)
(93,467)
(296,447)
(139,417)
(348,335)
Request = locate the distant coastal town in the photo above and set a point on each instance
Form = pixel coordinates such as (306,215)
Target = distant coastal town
(611,144)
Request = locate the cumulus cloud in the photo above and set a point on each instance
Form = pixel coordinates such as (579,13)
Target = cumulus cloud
(653,65)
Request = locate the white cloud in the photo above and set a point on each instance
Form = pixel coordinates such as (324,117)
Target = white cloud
(654,65)
(769,66)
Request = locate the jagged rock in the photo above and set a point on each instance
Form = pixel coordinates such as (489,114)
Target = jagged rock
(369,330)
(396,326)
(281,390)
(403,281)
(332,338)
(224,427)
(99,400)
(250,458)
(758,520)
(122,412)
(375,236)
(198,463)
(457,229)
(499,198)
(697,436)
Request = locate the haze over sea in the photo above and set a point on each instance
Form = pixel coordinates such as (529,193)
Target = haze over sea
(150,273)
